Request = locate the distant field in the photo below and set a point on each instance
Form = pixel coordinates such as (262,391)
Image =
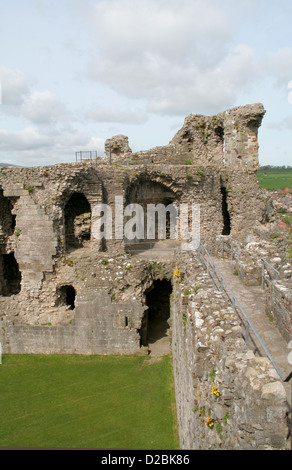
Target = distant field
(275,178)
(87,402)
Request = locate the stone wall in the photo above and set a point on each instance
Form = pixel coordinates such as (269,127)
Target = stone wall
(279,306)
(227,398)
(107,315)
(98,327)
(228,139)
(39,236)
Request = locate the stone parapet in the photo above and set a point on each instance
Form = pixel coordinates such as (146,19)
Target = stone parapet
(279,306)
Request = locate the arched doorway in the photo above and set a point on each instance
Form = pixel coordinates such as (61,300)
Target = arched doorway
(77,214)
(155,327)
(66,296)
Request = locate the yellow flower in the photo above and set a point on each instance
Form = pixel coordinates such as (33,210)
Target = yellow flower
(179,275)
(215,391)
(209,422)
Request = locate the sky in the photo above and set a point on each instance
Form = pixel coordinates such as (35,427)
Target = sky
(74,73)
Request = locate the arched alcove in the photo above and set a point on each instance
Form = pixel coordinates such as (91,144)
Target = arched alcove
(157,216)
(77,213)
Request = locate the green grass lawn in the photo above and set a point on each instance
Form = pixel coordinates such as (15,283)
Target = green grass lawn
(87,402)
(275,178)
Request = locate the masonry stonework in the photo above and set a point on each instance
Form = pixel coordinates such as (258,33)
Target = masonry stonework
(63,289)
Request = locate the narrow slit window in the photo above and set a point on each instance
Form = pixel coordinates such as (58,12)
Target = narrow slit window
(225,213)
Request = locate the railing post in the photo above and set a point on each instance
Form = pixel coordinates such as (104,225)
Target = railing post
(263,274)
(247,334)
(221,283)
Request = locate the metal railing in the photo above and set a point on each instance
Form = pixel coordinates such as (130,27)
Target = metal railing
(86,155)
(234,248)
(266,276)
(223,286)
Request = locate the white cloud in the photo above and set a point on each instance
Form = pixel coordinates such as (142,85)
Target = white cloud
(46,124)
(44,148)
(15,85)
(129,29)
(25,139)
(211,90)
(43,107)
(176,54)
(107,114)
(181,56)
(19,99)
(278,64)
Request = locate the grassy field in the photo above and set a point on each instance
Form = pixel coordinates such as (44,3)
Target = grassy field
(275,178)
(87,402)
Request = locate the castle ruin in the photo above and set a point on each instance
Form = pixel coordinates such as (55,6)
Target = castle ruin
(65,290)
